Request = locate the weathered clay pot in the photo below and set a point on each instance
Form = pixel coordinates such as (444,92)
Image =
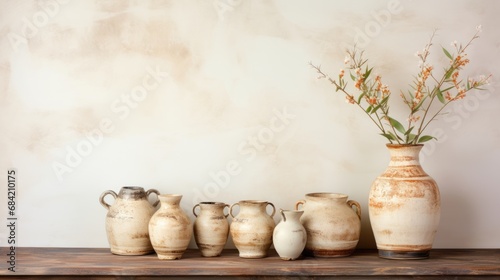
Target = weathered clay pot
(289,236)
(127,220)
(404,206)
(170,229)
(332,226)
(252,229)
(211,228)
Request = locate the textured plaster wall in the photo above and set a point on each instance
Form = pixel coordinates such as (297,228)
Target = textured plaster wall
(215,100)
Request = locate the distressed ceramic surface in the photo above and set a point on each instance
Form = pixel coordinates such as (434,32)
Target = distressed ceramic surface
(252,228)
(333,226)
(214,99)
(170,228)
(127,220)
(404,206)
(211,228)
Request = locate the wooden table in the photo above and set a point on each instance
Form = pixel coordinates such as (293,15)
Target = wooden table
(99,263)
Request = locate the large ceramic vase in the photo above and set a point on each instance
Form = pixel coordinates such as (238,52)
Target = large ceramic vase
(333,226)
(404,206)
(289,236)
(170,229)
(252,229)
(211,228)
(127,220)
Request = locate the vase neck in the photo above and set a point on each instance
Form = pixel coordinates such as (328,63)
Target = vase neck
(170,200)
(133,193)
(404,155)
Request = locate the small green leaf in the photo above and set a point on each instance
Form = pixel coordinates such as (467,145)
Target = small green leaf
(447,54)
(384,100)
(449,73)
(376,108)
(388,136)
(419,105)
(352,77)
(361,96)
(409,130)
(367,73)
(440,96)
(369,109)
(397,125)
(425,138)
(410,138)
(394,136)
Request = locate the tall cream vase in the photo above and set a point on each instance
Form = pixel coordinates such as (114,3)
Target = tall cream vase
(404,206)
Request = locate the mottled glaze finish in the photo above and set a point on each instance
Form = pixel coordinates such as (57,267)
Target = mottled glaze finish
(252,229)
(170,228)
(332,225)
(211,228)
(127,220)
(404,206)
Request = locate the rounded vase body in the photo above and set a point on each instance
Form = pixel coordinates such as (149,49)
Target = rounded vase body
(211,228)
(404,206)
(332,225)
(252,229)
(127,220)
(289,236)
(170,229)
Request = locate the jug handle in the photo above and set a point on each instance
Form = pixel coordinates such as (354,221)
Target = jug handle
(101,198)
(358,207)
(274,209)
(150,191)
(194,212)
(283,215)
(300,202)
(226,205)
(231,209)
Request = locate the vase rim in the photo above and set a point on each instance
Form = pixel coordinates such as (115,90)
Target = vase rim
(133,188)
(169,195)
(327,195)
(291,211)
(212,203)
(252,201)
(403,145)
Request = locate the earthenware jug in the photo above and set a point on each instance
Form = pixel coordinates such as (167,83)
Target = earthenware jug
(289,236)
(170,229)
(252,229)
(127,220)
(332,225)
(211,228)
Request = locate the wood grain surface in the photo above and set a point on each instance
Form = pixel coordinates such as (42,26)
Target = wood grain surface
(96,263)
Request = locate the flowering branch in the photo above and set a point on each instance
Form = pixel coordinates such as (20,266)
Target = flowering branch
(372,96)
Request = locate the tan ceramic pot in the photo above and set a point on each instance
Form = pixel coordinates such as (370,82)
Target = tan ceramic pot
(404,206)
(252,229)
(332,225)
(170,229)
(127,220)
(289,236)
(211,228)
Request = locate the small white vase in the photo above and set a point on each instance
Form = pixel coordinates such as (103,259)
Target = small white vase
(289,236)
